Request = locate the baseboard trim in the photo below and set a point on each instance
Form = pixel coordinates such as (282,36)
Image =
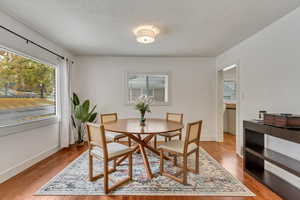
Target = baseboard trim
(9,173)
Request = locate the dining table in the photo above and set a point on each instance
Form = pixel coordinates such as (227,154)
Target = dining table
(142,134)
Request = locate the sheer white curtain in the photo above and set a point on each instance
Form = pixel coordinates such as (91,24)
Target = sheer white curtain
(64,103)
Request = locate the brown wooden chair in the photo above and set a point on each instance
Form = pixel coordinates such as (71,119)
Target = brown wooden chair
(111,136)
(184,149)
(100,149)
(175,117)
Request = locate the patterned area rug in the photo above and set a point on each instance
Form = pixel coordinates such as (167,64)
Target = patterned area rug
(213,179)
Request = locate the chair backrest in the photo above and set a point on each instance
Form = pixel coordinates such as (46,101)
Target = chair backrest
(193,133)
(175,117)
(96,137)
(109,117)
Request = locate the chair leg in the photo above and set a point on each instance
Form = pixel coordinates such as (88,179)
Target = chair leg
(90,167)
(180,137)
(197,161)
(166,140)
(105,185)
(129,142)
(184,174)
(161,162)
(155,142)
(107,171)
(175,160)
(115,164)
(130,166)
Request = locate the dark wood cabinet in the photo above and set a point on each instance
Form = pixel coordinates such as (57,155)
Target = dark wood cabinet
(255,155)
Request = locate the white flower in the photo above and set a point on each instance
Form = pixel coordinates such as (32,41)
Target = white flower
(144,99)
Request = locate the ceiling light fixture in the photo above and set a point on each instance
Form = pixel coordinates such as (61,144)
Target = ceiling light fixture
(146,34)
(229,67)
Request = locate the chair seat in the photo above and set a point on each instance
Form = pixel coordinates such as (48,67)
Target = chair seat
(113,150)
(177,146)
(170,134)
(112,135)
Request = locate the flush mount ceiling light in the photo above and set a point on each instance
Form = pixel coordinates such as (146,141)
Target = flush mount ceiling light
(229,67)
(146,34)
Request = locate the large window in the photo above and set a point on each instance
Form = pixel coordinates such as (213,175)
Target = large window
(27,89)
(148,84)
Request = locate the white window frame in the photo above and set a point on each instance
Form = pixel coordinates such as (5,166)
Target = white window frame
(149,73)
(36,123)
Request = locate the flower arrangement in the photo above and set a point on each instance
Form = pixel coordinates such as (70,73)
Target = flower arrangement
(142,104)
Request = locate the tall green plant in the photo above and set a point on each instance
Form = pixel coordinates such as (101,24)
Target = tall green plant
(81,115)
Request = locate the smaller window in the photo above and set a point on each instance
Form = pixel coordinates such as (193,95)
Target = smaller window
(148,84)
(229,90)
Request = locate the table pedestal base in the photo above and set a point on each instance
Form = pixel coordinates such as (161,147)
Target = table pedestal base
(142,144)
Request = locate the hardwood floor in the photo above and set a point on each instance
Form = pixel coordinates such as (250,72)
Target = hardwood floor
(25,184)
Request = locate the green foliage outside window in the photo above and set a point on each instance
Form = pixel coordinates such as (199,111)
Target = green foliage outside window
(22,75)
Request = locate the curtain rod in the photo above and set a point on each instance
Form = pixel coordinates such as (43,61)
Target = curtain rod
(32,42)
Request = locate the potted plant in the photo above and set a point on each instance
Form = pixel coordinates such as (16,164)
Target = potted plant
(143,105)
(81,114)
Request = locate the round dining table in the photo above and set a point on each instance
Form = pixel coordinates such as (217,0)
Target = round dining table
(131,127)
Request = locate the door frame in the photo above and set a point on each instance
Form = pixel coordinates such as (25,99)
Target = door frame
(220,107)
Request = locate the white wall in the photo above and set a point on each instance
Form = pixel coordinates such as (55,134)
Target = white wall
(193,86)
(269,76)
(11,41)
(19,151)
(229,75)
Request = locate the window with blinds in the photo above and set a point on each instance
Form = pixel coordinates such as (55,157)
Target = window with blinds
(154,85)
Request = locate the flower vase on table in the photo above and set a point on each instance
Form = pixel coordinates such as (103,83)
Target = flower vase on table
(143,105)
(142,119)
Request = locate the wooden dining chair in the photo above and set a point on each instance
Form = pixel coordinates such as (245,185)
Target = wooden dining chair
(115,137)
(100,149)
(175,117)
(184,149)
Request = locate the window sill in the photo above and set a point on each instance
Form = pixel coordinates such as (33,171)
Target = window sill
(26,126)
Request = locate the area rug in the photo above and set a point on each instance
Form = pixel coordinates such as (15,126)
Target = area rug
(213,179)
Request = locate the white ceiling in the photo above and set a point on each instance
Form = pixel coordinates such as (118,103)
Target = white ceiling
(189,27)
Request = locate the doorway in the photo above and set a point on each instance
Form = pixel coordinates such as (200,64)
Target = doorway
(228,106)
